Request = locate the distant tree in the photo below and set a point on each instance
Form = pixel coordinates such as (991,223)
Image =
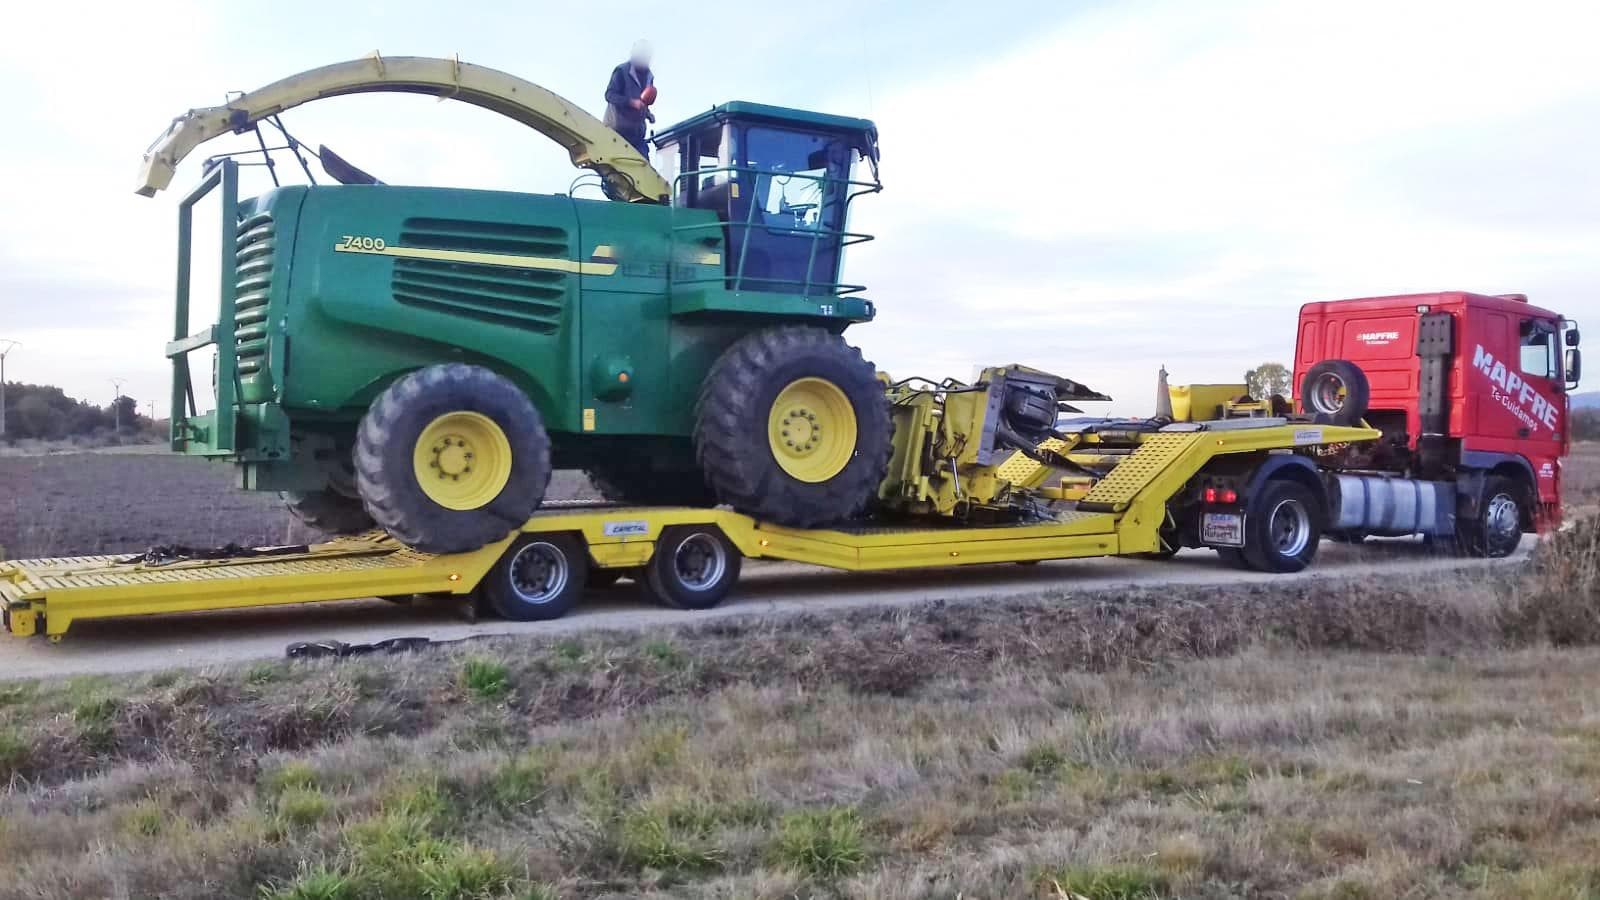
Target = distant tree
(1268,379)
(45,412)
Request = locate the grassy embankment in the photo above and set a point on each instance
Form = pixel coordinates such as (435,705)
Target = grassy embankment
(1333,739)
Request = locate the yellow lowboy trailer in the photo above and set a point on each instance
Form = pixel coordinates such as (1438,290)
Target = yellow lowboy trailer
(1249,488)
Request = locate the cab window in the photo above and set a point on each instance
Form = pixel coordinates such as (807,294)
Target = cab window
(1538,349)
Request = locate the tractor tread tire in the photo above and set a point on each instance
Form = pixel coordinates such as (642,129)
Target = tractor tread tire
(731,427)
(387,437)
(328,511)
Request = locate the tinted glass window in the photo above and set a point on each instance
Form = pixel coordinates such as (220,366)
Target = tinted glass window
(1538,350)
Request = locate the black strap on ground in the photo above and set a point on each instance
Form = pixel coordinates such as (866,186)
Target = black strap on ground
(167,554)
(340,649)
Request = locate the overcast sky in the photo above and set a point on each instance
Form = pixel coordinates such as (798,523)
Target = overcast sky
(1092,188)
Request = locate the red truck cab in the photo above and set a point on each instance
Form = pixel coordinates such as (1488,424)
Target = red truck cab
(1466,388)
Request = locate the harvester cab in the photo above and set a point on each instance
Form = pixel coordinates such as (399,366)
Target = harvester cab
(781,182)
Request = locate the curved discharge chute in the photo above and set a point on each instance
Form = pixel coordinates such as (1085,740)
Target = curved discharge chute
(587,140)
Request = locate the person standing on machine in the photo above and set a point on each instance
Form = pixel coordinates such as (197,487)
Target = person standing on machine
(628,97)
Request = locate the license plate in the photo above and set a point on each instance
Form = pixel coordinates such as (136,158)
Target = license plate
(1222,529)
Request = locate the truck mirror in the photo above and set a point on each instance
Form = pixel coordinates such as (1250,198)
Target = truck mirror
(1572,337)
(1574,366)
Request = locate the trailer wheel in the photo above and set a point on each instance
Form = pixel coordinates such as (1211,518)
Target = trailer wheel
(1336,392)
(1283,524)
(793,427)
(328,511)
(1497,530)
(452,457)
(539,577)
(694,567)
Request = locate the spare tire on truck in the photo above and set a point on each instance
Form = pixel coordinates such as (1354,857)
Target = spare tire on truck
(1335,392)
(452,457)
(792,427)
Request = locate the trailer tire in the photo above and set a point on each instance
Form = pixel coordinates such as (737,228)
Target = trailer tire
(1496,531)
(539,577)
(474,430)
(328,511)
(793,427)
(647,487)
(1336,392)
(1282,527)
(694,567)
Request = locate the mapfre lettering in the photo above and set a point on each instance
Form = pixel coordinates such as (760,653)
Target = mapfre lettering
(1515,394)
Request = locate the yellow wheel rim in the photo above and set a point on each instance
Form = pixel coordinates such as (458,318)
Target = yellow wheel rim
(812,430)
(462,460)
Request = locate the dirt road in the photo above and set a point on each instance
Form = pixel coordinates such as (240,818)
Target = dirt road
(203,639)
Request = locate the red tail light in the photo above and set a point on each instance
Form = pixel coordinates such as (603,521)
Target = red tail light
(1221,495)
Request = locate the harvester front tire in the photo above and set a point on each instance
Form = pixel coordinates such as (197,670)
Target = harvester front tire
(447,423)
(799,384)
(328,511)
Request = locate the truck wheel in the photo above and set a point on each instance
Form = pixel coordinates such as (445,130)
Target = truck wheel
(646,487)
(694,567)
(328,511)
(1497,530)
(539,577)
(1283,524)
(451,457)
(793,427)
(1336,392)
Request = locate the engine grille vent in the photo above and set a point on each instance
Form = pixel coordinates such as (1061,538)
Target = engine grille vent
(255,242)
(530,299)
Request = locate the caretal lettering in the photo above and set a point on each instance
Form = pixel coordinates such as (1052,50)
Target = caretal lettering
(1521,398)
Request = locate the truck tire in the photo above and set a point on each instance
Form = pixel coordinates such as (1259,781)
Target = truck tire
(451,457)
(645,487)
(328,511)
(694,567)
(793,427)
(539,577)
(1496,531)
(1282,527)
(1336,392)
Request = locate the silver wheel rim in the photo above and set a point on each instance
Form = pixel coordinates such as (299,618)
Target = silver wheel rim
(1502,518)
(1289,527)
(1325,394)
(539,572)
(700,561)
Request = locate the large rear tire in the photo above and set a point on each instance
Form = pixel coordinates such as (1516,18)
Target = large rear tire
(451,457)
(328,511)
(793,427)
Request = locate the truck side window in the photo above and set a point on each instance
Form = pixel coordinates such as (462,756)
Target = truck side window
(1538,349)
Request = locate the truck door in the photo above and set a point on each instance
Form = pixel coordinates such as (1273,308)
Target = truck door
(1521,408)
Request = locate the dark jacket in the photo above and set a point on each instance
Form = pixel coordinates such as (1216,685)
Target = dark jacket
(626,85)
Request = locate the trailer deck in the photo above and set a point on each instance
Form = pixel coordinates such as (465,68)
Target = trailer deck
(1118,514)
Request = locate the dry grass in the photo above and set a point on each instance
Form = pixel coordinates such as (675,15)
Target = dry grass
(1345,740)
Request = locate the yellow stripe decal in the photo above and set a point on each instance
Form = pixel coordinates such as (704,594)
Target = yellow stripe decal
(548,263)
